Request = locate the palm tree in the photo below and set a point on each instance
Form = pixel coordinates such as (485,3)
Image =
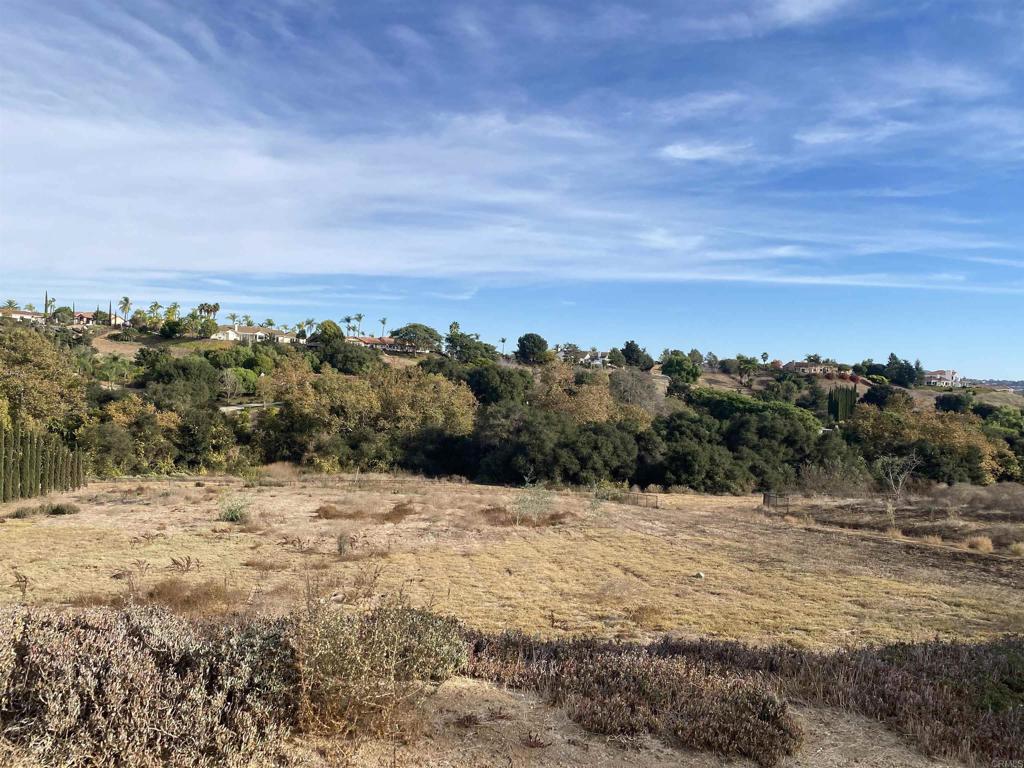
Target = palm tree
(49,304)
(172,310)
(233,317)
(347,320)
(10,304)
(154,310)
(125,304)
(214,309)
(383,321)
(30,307)
(247,320)
(268,323)
(359,322)
(502,340)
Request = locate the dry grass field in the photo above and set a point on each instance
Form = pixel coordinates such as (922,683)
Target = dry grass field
(553,563)
(550,563)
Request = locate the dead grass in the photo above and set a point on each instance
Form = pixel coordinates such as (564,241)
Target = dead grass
(979,543)
(594,572)
(400,512)
(1017,549)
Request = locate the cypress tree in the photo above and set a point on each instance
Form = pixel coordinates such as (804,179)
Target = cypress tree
(3,464)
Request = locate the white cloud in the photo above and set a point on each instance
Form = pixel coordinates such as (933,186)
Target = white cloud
(695,150)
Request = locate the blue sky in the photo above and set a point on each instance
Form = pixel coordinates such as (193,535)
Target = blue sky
(839,176)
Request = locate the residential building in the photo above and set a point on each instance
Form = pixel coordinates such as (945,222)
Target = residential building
(812,369)
(943,378)
(386,344)
(89,318)
(23,315)
(595,359)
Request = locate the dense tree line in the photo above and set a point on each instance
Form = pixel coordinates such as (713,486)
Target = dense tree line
(468,410)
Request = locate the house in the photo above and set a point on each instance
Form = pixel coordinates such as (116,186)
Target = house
(595,359)
(386,344)
(89,318)
(252,333)
(284,337)
(943,378)
(236,332)
(812,369)
(23,315)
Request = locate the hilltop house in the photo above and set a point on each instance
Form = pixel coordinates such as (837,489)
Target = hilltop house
(595,359)
(386,344)
(811,369)
(23,315)
(252,333)
(943,378)
(89,318)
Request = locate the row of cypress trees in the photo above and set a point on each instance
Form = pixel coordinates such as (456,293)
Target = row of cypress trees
(841,402)
(35,464)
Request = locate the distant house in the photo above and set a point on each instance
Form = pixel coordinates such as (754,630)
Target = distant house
(811,369)
(23,315)
(284,337)
(252,334)
(595,359)
(943,378)
(386,344)
(89,318)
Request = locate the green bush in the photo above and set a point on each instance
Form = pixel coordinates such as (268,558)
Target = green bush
(235,510)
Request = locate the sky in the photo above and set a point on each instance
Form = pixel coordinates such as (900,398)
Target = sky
(843,177)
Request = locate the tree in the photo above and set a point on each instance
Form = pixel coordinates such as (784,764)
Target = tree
(30,307)
(419,335)
(764,358)
(173,311)
(636,357)
(467,347)
(711,361)
(358,318)
(383,322)
(680,368)
(327,332)
(233,317)
(63,315)
(125,305)
(247,320)
(38,382)
(616,358)
(895,471)
(268,323)
(502,340)
(532,349)
(10,304)
(887,397)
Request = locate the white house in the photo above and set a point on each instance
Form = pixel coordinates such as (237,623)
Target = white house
(595,359)
(23,315)
(943,378)
(251,333)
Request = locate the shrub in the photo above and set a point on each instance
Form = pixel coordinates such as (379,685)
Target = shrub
(140,687)
(1017,548)
(625,692)
(57,508)
(399,512)
(979,543)
(365,674)
(235,510)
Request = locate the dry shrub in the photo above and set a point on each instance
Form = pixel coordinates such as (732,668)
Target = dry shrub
(368,674)
(399,512)
(1017,549)
(265,564)
(932,539)
(643,614)
(959,700)
(199,597)
(893,533)
(625,692)
(53,509)
(979,543)
(501,515)
(140,687)
(330,512)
